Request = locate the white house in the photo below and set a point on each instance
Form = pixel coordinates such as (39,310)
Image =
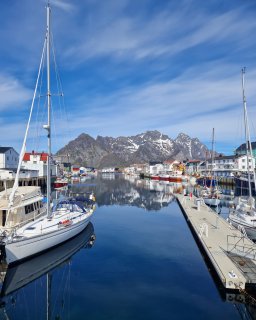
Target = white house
(38,161)
(9,158)
(228,165)
(193,166)
(155,168)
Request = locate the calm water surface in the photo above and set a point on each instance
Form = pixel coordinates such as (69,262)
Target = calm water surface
(143,264)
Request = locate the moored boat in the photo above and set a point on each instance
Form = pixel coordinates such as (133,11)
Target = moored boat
(27,203)
(60,183)
(244,213)
(63,221)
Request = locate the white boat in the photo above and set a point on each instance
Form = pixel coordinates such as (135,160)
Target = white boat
(244,214)
(27,204)
(211,196)
(62,222)
(41,271)
(20,275)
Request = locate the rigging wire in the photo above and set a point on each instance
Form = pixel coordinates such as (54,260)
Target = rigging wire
(39,124)
(61,101)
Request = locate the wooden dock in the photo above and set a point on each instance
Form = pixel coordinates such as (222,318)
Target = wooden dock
(231,253)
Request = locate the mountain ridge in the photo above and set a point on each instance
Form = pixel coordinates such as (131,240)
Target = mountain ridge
(123,151)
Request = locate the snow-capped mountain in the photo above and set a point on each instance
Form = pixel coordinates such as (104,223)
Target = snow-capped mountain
(120,151)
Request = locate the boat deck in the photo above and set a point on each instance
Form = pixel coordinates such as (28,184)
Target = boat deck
(232,255)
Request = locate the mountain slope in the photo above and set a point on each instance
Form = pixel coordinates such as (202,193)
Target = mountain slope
(149,146)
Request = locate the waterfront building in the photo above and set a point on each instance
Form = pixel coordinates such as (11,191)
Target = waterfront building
(9,158)
(136,169)
(38,161)
(226,166)
(193,166)
(155,168)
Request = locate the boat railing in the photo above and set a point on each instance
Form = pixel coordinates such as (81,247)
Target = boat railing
(12,229)
(241,246)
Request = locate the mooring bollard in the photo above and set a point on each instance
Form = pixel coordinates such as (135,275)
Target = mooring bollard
(198,204)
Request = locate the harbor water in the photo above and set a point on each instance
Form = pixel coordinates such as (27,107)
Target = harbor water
(136,260)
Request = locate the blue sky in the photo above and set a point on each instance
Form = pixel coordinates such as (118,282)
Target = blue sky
(130,66)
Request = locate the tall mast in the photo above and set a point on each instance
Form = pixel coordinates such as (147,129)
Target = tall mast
(212,157)
(247,137)
(48,126)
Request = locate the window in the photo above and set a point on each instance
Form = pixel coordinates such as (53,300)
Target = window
(29,208)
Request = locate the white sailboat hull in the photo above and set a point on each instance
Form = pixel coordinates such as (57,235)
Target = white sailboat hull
(28,247)
(212,202)
(249,229)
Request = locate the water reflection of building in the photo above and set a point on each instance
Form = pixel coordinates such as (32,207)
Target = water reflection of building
(126,190)
(108,175)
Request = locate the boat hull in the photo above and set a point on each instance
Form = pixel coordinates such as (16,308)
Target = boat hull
(212,202)
(23,273)
(59,184)
(28,247)
(250,230)
(175,179)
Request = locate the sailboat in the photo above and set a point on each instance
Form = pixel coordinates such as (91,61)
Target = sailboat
(20,275)
(61,222)
(211,195)
(244,214)
(40,274)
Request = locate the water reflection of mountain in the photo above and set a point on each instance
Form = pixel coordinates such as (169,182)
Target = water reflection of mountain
(126,190)
(21,275)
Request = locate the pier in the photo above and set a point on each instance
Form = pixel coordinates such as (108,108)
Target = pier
(230,252)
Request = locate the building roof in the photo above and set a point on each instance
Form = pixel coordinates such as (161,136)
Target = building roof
(242,147)
(153,163)
(43,155)
(235,156)
(193,161)
(4,149)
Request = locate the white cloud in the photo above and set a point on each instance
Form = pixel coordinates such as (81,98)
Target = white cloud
(13,94)
(64,5)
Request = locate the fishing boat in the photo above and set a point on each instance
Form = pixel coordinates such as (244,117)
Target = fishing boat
(60,183)
(244,213)
(61,222)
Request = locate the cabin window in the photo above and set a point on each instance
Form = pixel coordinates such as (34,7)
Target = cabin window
(3,217)
(29,208)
